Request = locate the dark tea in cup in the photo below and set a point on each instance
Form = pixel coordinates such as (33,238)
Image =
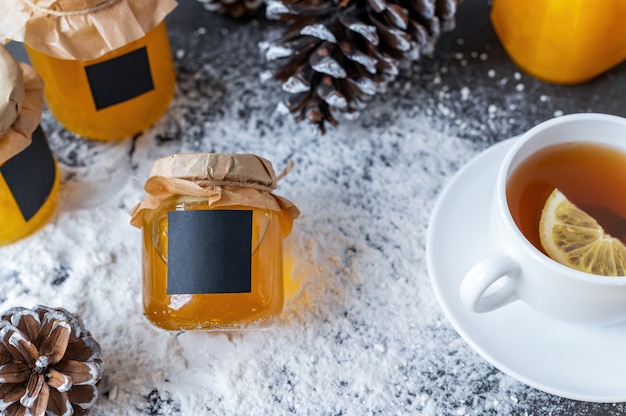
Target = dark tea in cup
(544,181)
(592,176)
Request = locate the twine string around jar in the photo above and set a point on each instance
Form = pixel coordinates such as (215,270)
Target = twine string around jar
(60,13)
(204,183)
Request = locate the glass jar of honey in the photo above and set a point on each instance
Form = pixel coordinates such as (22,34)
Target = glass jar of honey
(29,177)
(106,64)
(212,242)
(562,42)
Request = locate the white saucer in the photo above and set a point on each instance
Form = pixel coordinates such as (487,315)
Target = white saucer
(577,362)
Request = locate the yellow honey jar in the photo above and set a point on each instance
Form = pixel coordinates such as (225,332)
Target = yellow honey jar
(562,42)
(29,177)
(106,64)
(212,242)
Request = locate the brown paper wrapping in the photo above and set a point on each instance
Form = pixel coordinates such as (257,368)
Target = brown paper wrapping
(80,29)
(223,179)
(18,121)
(11,90)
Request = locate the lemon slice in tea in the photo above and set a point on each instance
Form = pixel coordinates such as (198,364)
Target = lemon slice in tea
(573,238)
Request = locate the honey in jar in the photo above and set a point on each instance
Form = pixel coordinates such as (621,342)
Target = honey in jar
(213,242)
(106,64)
(562,42)
(29,177)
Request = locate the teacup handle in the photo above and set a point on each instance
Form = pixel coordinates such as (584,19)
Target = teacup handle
(482,275)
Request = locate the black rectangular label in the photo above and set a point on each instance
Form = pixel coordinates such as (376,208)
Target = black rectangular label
(120,79)
(209,252)
(30,175)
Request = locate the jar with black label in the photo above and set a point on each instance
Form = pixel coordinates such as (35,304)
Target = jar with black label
(212,242)
(106,64)
(29,177)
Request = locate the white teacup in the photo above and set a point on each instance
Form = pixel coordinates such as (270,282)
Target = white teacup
(520,270)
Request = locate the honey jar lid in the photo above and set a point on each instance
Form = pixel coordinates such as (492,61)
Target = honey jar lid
(21,105)
(221,168)
(11,90)
(81,30)
(222,179)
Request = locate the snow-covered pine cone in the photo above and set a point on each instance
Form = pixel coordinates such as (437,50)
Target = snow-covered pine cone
(49,363)
(335,55)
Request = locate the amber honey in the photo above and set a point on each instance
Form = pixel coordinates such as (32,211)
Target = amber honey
(592,176)
(70,95)
(258,307)
(564,42)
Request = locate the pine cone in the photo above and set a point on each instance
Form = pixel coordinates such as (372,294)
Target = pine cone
(233,8)
(49,364)
(340,53)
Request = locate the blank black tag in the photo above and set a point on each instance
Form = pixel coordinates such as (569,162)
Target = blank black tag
(30,175)
(120,79)
(209,252)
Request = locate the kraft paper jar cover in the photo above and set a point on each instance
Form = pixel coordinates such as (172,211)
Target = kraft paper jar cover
(80,29)
(11,90)
(225,179)
(21,105)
